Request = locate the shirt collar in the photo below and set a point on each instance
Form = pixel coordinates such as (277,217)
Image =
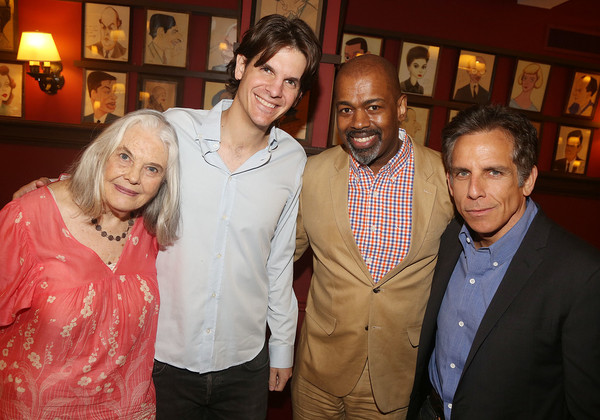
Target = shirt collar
(210,136)
(505,247)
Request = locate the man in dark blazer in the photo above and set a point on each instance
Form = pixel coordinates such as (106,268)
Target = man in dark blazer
(512,326)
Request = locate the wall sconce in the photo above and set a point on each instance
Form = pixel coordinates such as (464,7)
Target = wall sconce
(44,62)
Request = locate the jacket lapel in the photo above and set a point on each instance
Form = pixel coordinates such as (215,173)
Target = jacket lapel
(338,185)
(423,200)
(522,266)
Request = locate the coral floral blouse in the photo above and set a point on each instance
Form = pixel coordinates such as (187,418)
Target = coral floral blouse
(76,338)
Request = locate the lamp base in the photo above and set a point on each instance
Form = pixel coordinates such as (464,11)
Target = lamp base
(50,80)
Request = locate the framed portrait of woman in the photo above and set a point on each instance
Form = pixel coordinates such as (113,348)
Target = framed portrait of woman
(11,90)
(583,96)
(166,38)
(310,11)
(8,25)
(571,150)
(529,86)
(159,93)
(354,45)
(474,76)
(106,32)
(223,39)
(418,68)
(104,96)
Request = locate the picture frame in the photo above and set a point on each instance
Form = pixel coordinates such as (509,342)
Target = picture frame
(528,89)
(223,40)
(296,121)
(416,124)
(104,96)
(11,90)
(418,76)
(159,92)
(106,34)
(583,95)
(310,11)
(166,38)
(571,150)
(452,113)
(8,25)
(353,45)
(214,92)
(474,69)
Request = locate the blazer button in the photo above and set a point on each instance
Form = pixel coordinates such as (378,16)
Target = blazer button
(376,290)
(366,328)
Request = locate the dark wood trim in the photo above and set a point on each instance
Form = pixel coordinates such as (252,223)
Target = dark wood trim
(163,5)
(213,76)
(570,63)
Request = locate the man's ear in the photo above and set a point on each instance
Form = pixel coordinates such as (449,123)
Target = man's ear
(240,66)
(401,105)
(530,182)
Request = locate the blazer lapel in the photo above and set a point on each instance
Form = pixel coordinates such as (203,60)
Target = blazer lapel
(338,185)
(522,266)
(423,200)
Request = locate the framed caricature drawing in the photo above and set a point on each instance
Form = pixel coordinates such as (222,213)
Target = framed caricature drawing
(529,86)
(223,39)
(418,67)
(159,92)
(583,96)
(474,76)
(8,25)
(11,90)
(166,38)
(571,150)
(354,45)
(103,97)
(105,32)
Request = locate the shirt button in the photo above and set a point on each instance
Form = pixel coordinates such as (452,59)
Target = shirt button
(375,194)
(452,365)
(468,240)
(450,405)
(373,228)
(218,255)
(461,324)
(495,264)
(214,295)
(472,281)
(208,331)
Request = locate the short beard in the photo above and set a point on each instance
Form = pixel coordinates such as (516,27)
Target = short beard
(364,156)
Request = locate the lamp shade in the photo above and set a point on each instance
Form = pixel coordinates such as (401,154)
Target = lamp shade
(37,46)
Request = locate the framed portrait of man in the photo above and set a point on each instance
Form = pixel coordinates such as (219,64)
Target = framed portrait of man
(8,25)
(310,11)
(583,95)
(474,77)
(158,92)
(418,68)
(104,96)
(571,150)
(106,32)
(223,40)
(354,45)
(416,124)
(529,86)
(166,38)
(214,92)
(11,90)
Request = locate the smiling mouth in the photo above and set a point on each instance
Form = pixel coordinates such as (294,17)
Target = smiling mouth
(265,103)
(125,191)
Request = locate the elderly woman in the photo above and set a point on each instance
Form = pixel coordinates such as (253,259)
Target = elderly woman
(78,291)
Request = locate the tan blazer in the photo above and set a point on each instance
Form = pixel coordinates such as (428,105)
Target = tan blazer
(349,318)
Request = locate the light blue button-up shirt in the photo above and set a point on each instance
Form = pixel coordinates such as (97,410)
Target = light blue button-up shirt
(473,283)
(230,273)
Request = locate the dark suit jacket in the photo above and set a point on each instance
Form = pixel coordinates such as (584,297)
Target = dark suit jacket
(464,94)
(560,165)
(109,118)
(536,354)
(119,51)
